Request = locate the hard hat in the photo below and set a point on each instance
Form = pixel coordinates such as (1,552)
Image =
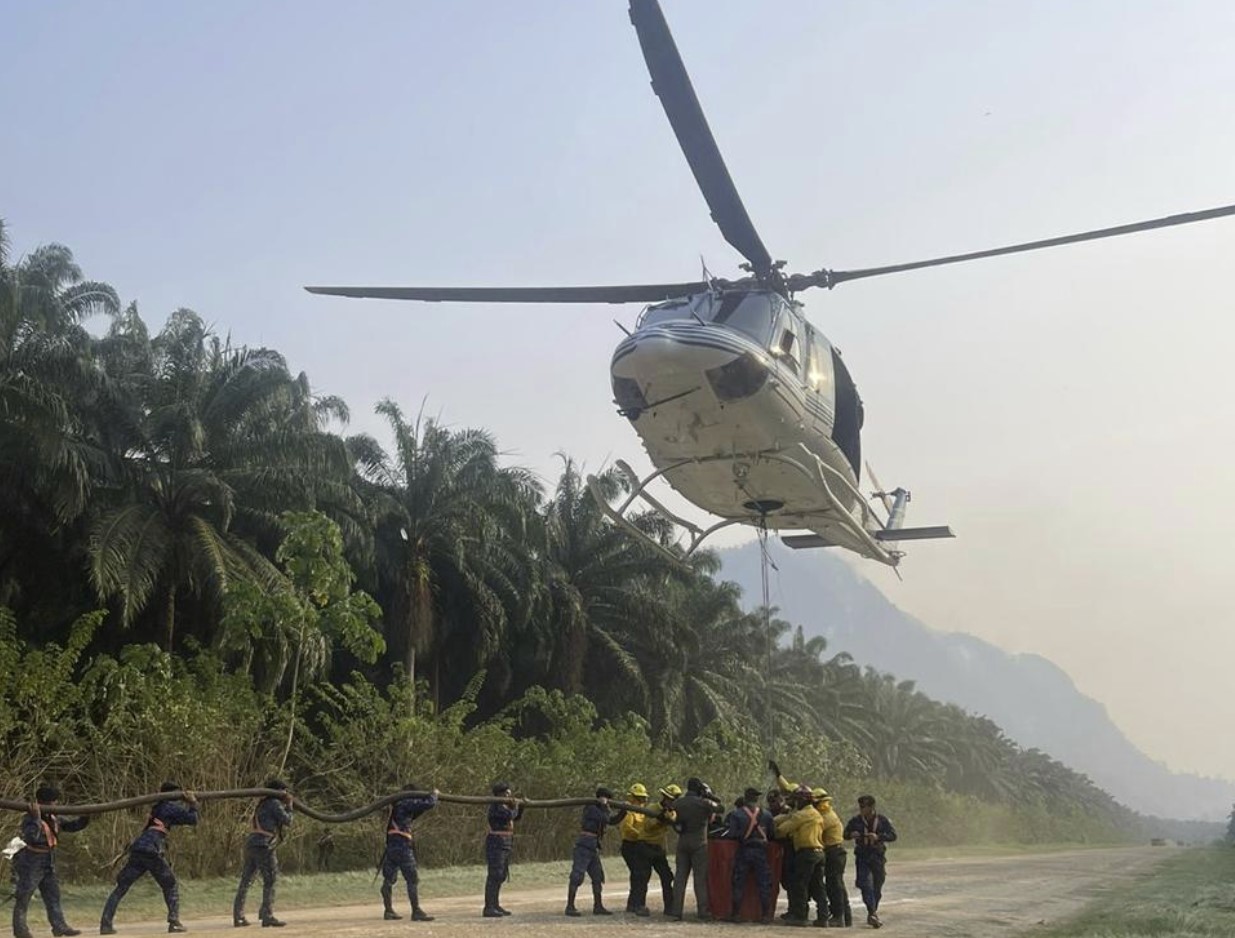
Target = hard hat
(637,790)
(820,794)
(672,791)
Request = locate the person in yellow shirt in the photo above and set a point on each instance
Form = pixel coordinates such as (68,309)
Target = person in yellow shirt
(656,836)
(834,859)
(635,851)
(804,826)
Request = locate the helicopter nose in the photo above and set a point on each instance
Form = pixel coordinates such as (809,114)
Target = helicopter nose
(662,364)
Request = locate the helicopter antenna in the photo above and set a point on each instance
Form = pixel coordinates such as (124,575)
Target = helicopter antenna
(765,562)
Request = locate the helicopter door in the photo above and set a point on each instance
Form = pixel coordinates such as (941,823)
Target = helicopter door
(820,383)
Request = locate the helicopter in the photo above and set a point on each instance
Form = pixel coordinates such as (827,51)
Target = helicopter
(743,406)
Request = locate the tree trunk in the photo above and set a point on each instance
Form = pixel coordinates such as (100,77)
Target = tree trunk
(169,621)
(291,722)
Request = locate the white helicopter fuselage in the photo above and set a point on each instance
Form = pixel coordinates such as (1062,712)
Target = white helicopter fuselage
(748,412)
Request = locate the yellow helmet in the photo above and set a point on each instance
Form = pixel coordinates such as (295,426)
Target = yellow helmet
(638,790)
(672,791)
(820,794)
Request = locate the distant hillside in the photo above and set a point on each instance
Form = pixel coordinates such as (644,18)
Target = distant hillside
(1034,701)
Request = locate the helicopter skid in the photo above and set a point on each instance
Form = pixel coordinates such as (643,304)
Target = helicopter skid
(832,522)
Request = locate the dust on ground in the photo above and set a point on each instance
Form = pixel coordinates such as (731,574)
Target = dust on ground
(984,897)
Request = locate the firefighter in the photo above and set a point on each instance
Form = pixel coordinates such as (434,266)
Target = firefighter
(751,827)
(694,811)
(656,835)
(834,859)
(400,857)
(870,833)
(776,807)
(34,866)
(586,860)
(499,843)
(146,855)
(636,851)
(804,825)
(272,814)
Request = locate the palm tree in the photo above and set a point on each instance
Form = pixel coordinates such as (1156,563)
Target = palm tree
(217,452)
(48,385)
(449,524)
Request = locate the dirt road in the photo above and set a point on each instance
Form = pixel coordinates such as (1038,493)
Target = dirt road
(970,898)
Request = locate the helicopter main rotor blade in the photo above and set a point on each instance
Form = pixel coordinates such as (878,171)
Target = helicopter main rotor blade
(677,96)
(633,293)
(830,278)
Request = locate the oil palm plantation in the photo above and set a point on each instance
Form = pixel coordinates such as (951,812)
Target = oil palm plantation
(214,457)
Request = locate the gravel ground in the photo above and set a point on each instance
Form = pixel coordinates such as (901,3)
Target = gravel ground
(942,898)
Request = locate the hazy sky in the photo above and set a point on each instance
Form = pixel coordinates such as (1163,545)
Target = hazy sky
(1068,412)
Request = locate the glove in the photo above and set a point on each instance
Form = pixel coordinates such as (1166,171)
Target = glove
(773,767)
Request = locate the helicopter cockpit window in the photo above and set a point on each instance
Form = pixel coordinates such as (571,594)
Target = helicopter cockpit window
(752,313)
(665,312)
(788,347)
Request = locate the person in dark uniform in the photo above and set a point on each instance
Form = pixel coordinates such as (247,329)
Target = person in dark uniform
(499,843)
(586,860)
(146,855)
(870,833)
(272,814)
(694,811)
(325,850)
(34,866)
(400,857)
(751,827)
(777,805)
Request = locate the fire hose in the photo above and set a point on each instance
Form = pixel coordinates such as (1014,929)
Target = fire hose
(103,807)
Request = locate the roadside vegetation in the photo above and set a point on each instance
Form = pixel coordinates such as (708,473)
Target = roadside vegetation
(1191,893)
(204,577)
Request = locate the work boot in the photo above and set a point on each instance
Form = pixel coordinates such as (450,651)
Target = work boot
(491,913)
(571,891)
(503,911)
(836,921)
(105,928)
(65,931)
(272,922)
(174,927)
(598,906)
(391,915)
(420,915)
(22,932)
(572,911)
(240,922)
(643,911)
(873,921)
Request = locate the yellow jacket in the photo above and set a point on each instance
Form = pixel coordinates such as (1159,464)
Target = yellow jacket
(656,831)
(804,826)
(833,829)
(632,826)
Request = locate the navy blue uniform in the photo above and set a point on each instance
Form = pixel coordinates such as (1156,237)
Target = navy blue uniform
(869,855)
(399,856)
(499,843)
(752,829)
(34,867)
(146,856)
(586,858)
(271,816)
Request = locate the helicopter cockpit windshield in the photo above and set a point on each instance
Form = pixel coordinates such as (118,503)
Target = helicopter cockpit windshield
(753,313)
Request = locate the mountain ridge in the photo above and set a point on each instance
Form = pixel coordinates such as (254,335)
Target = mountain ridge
(1028,695)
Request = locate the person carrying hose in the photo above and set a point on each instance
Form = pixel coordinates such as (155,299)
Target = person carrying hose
(146,855)
(636,852)
(586,860)
(499,844)
(272,814)
(400,857)
(695,811)
(34,865)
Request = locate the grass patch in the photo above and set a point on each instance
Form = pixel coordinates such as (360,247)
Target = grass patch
(1190,894)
